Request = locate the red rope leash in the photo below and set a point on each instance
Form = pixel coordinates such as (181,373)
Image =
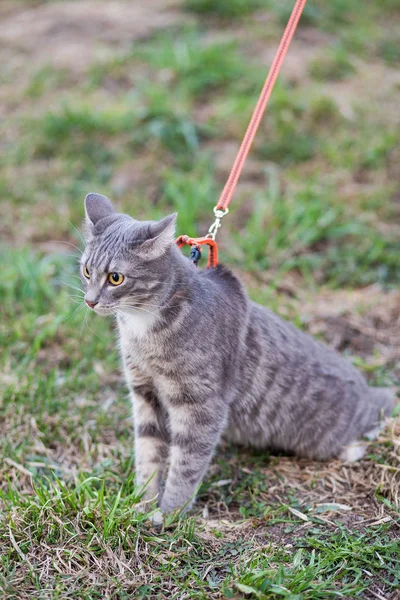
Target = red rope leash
(221,208)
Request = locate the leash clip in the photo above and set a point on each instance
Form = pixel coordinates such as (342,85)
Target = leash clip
(195,254)
(219,214)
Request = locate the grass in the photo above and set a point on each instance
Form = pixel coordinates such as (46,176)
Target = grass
(309,575)
(192,63)
(224,9)
(388,49)
(154,123)
(332,67)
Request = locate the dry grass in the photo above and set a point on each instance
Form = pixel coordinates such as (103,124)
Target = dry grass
(147,102)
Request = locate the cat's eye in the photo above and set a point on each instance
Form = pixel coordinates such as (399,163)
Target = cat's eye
(115,278)
(85,271)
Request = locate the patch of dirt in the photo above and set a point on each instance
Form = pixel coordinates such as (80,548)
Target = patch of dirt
(302,52)
(372,80)
(366,321)
(328,493)
(138,174)
(225,152)
(72,34)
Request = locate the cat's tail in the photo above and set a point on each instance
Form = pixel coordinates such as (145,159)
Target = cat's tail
(383,402)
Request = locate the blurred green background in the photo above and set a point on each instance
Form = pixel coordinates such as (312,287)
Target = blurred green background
(147,103)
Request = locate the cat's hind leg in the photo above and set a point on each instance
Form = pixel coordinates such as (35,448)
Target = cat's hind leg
(383,399)
(356,450)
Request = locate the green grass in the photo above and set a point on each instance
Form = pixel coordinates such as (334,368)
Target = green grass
(197,184)
(93,522)
(332,67)
(389,50)
(172,128)
(192,63)
(227,9)
(313,231)
(46,79)
(307,574)
(318,236)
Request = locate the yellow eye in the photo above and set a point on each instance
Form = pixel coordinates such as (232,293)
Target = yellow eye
(86,272)
(115,278)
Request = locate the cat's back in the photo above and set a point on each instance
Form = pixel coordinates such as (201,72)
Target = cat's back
(221,286)
(296,394)
(283,343)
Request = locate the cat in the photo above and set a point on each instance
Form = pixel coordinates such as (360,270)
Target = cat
(202,361)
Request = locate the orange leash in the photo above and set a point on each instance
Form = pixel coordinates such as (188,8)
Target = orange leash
(221,209)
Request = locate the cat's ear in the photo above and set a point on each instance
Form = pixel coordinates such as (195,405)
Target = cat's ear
(97,207)
(160,237)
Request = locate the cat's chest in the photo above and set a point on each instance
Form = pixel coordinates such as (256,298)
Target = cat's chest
(139,348)
(135,326)
(147,359)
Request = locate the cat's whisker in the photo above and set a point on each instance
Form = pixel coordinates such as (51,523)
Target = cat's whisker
(140,306)
(84,322)
(134,298)
(122,314)
(143,303)
(73,297)
(151,312)
(76,311)
(75,277)
(67,244)
(78,232)
(144,310)
(91,330)
(76,256)
(74,287)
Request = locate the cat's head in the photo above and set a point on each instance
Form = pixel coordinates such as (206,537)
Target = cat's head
(125,265)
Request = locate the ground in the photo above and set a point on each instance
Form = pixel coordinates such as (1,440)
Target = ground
(147,102)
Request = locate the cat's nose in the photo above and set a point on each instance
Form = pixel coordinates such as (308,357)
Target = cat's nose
(90,303)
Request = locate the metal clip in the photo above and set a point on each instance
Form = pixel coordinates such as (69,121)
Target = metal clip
(195,255)
(219,214)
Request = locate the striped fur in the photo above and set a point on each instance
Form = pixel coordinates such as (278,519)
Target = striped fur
(202,361)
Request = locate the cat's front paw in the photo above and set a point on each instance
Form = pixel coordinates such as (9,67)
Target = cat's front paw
(157,519)
(146,505)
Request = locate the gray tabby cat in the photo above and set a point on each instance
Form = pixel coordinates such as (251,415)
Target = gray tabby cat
(202,361)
